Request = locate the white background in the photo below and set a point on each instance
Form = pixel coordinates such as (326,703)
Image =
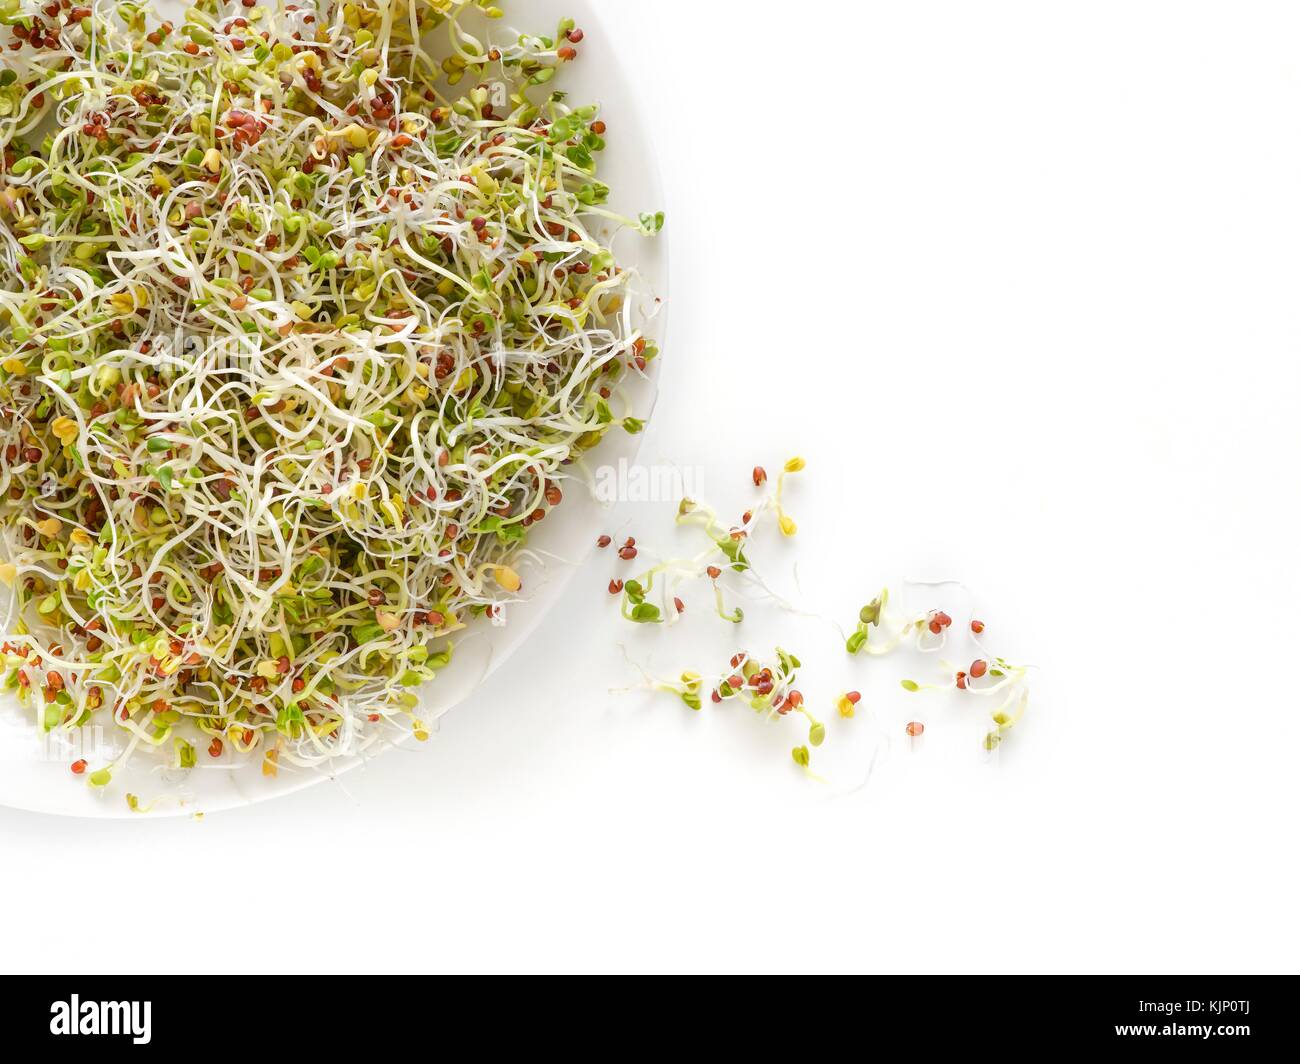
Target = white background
(1020,281)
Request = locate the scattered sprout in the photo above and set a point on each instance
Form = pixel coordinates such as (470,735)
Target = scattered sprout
(868,617)
(724,555)
(986,676)
(767,687)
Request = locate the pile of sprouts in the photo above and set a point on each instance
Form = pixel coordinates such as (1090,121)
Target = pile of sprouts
(303,313)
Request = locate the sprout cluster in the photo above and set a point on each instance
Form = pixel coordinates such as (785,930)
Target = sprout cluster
(766,686)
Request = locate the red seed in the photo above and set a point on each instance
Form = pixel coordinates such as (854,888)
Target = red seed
(603,542)
(979,668)
(215,748)
(977,627)
(553,495)
(78,767)
(915,728)
(795,699)
(735,682)
(627,553)
(760,476)
(615,586)
(575,35)
(961,681)
(566,54)
(943,619)
(714,572)
(681,606)
(935,626)
(854,696)
(715,697)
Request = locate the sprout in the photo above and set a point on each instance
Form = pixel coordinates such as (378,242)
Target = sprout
(868,617)
(508,579)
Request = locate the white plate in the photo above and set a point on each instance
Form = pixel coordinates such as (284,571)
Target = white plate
(33,777)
